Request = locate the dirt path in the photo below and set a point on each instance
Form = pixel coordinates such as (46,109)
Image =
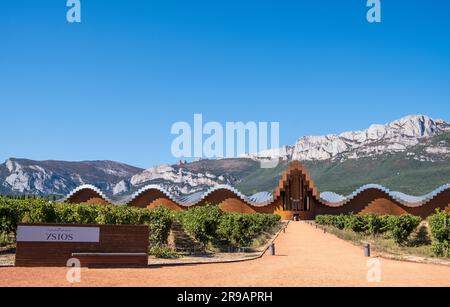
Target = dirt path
(306,257)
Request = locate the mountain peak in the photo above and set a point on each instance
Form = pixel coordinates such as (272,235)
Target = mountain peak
(396,136)
(415,117)
(416,125)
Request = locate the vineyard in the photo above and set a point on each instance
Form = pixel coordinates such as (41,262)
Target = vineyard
(406,231)
(208,225)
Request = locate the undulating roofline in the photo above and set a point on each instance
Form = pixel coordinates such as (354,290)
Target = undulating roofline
(336,200)
(87,187)
(263,199)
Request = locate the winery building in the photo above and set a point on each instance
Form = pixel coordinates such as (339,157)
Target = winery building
(295,196)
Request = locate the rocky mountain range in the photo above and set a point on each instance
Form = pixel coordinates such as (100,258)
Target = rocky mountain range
(22,176)
(394,137)
(411,154)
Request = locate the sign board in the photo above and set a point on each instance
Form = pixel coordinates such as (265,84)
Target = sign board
(58,234)
(53,245)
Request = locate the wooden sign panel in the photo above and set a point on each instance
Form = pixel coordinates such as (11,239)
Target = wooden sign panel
(48,245)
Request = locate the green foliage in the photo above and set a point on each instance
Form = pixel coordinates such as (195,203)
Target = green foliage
(159,221)
(240,229)
(163,251)
(441,249)
(209,224)
(11,213)
(206,224)
(41,212)
(376,224)
(339,221)
(325,219)
(77,214)
(440,232)
(202,222)
(355,223)
(400,227)
(15,211)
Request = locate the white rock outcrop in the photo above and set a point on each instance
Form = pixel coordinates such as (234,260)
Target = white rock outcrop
(396,136)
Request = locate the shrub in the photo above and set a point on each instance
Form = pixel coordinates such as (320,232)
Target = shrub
(209,224)
(225,229)
(441,249)
(402,226)
(41,212)
(236,229)
(375,224)
(324,219)
(399,226)
(117,215)
(159,221)
(13,212)
(163,251)
(261,222)
(320,219)
(440,232)
(339,221)
(355,223)
(202,222)
(241,229)
(76,214)
(385,221)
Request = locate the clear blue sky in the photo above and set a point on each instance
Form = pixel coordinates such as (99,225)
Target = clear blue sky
(112,86)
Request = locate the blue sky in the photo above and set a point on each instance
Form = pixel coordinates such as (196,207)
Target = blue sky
(112,86)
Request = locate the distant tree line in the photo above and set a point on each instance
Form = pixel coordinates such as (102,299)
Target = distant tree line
(26,197)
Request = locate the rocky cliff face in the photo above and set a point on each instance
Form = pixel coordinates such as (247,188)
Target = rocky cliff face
(178,180)
(21,176)
(397,136)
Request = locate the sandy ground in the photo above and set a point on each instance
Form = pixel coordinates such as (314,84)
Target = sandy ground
(305,257)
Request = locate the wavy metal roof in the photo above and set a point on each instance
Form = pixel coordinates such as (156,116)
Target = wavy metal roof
(88,187)
(258,199)
(262,199)
(336,200)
